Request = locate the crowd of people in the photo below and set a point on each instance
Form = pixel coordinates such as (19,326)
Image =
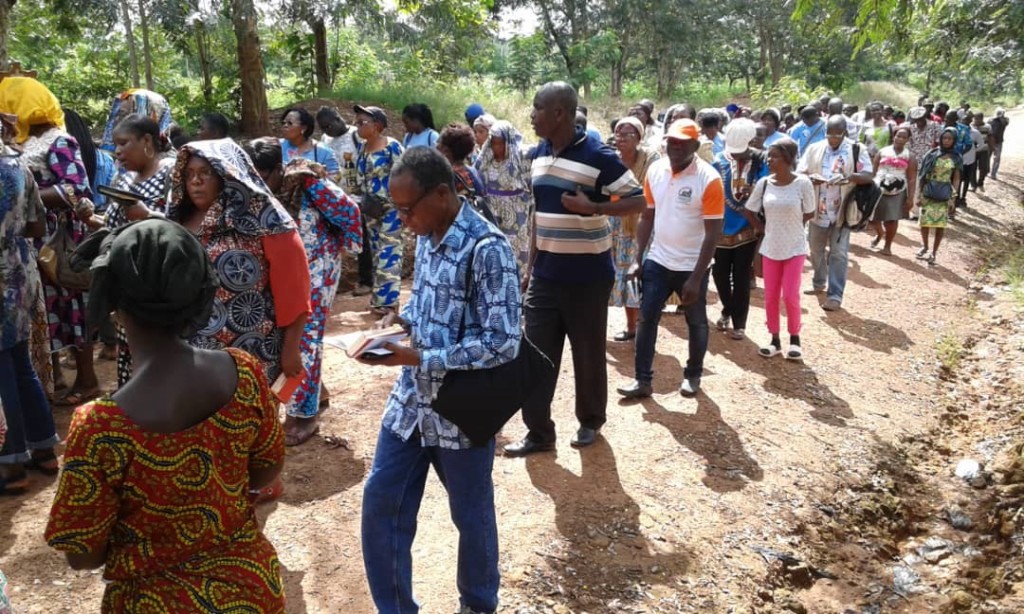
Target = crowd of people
(199,258)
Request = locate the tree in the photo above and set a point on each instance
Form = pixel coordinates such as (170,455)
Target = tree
(147,54)
(5,30)
(255,119)
(133,56)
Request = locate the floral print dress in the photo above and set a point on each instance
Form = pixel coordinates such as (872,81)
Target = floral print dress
(374,169)
(329,224)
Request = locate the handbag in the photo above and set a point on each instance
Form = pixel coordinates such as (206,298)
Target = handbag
(940,191)
(481,401)
(55,260)
(373,206)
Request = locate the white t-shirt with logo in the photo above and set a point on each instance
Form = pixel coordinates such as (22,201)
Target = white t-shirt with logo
(681,203)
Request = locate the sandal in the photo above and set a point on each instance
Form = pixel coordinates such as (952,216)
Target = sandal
(45,463)
(770,350)
(876,241)
(77,397)
(922,253)
(625,336)
(885,251)
(301,432)
(794,353)
(383,311)
(14,485)
(930,260)
(722,323)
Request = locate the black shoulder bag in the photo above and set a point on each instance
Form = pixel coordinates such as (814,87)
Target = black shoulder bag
(477,200)
(860,203)
(481,401)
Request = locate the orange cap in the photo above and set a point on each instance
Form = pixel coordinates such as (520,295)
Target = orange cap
(684,130)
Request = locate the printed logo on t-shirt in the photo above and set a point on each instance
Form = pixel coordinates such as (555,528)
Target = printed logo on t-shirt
(685,196)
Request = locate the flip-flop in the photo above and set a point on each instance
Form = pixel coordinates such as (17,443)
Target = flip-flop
(45,463)
(11,486)
(77,397)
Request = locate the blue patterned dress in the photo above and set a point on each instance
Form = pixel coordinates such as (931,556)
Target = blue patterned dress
(19,276)
(386,233)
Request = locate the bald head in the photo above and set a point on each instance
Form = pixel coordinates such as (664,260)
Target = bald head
(554,110)
(836,123)
(835,131)
(561,95)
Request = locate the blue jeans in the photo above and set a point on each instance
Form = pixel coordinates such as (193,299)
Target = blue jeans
(836,240)
(29,421)
(658,284)
(391,501)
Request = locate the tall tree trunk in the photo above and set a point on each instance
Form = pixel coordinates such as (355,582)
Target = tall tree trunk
(147,57)
(5,29)
(133,57)
(616,80)
(255,116)
(323,71)
(203,48)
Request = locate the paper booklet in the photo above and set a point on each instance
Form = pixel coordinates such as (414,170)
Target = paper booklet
(365,342)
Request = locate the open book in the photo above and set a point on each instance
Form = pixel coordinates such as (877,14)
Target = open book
(368,341)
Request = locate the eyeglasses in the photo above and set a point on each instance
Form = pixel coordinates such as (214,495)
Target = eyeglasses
(363,122)
(407,211)
(199,176)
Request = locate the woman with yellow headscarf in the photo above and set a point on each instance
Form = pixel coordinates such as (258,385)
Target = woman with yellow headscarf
(55,159)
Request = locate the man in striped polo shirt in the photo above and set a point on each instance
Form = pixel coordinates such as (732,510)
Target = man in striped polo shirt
(570,272)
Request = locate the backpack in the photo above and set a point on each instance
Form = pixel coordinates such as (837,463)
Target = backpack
(860,203)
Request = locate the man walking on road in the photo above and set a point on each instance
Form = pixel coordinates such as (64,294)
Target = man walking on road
(570,272)
(832,169)
(685,207)
(998,124)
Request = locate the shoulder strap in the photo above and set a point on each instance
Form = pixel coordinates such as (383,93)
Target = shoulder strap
(469,279)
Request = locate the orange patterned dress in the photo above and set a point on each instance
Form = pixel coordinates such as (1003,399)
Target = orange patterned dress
(171,509)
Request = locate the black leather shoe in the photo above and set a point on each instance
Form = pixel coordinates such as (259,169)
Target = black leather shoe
(584,437)
(527,446)
(636,390)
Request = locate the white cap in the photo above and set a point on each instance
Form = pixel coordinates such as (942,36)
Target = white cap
(739,134)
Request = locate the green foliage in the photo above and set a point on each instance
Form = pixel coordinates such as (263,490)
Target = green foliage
(793,90)
(522,61)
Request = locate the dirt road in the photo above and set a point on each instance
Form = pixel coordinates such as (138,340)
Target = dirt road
(661,515)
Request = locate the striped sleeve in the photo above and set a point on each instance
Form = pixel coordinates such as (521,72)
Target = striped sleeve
(616,178)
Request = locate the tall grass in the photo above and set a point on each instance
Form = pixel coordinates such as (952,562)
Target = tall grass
(897,94)
(448,102)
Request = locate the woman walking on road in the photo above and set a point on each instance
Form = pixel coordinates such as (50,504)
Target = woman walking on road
(896,174)
(788,202)
(939,178)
